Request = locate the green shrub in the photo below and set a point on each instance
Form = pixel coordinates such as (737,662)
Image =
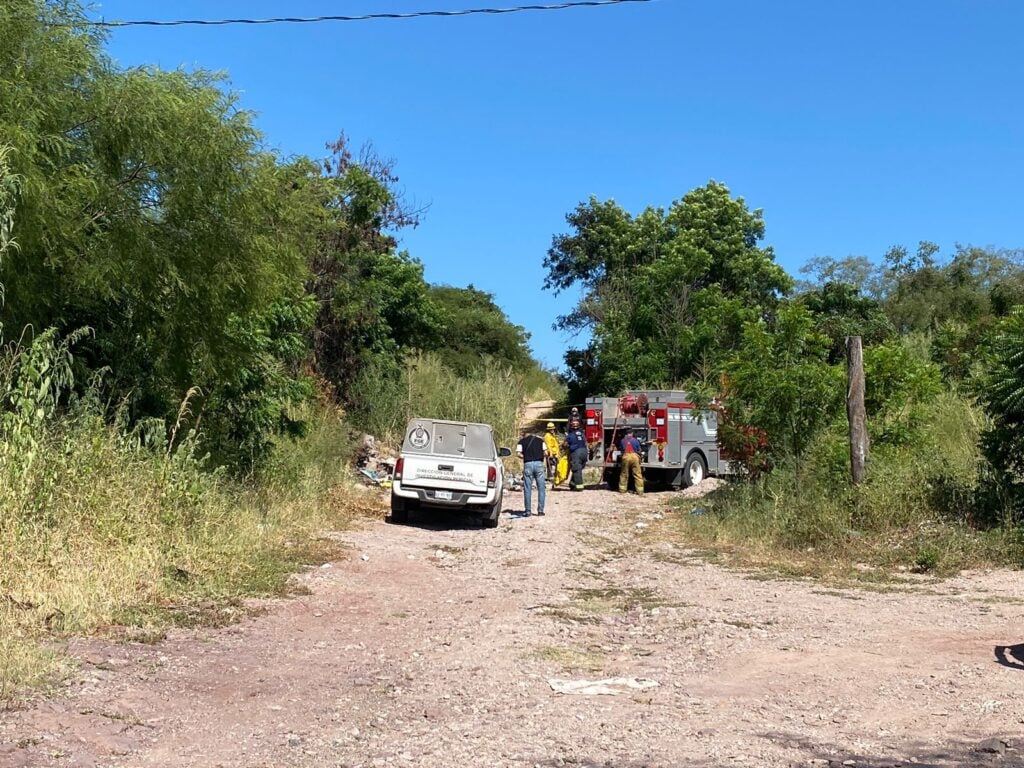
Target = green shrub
(919,507)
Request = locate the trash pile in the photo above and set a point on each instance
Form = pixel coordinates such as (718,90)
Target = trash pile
(513,482)
(375,467)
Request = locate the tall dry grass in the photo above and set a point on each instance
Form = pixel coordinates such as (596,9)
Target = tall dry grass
(492,394)
(104,528)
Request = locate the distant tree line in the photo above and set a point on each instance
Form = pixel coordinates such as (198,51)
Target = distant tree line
(689,297)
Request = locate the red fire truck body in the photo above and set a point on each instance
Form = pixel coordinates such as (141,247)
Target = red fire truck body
(680,443)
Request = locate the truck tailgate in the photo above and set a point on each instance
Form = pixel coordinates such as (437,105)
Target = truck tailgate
(444,472)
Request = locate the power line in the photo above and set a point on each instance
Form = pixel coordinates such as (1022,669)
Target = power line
(366,17)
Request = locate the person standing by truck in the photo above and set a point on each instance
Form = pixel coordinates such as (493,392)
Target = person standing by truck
(578,453)
(554,450)
(532,450)
(630,464)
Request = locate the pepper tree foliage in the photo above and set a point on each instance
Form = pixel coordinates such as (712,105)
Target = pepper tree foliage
(144,206)
(149,212)
(662,292)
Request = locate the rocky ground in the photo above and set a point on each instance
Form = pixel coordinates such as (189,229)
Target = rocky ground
(436,644)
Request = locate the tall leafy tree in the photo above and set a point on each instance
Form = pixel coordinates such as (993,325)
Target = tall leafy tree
(1001,391)
(373,302)
(779,382)
(147,210)
(476,331)
(662,291)
(840,310)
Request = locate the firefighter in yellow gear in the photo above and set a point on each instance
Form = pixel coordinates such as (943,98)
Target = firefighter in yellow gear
(630,464)
(554,452)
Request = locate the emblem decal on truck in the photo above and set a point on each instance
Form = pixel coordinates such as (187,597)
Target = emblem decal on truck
(419,437)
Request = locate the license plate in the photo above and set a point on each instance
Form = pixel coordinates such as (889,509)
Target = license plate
(443,495)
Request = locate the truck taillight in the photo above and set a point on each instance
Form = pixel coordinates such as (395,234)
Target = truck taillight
(398,469)
(492,476)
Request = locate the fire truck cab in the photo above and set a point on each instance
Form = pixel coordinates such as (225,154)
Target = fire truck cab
(679,442)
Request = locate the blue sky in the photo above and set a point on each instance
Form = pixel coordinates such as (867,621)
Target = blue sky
(855,126)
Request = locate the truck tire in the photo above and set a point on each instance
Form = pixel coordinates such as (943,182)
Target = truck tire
(490,518)
(696,469)
(399,511)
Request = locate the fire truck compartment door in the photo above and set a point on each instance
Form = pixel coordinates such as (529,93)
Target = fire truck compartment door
(676,435)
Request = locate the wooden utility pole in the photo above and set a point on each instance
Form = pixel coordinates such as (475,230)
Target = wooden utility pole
(855,408)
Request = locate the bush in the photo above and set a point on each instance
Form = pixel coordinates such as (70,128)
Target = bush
(103,526)
(919,506)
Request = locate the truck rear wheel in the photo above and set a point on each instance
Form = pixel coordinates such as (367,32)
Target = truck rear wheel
(492,515)
(399,511)
(696,469)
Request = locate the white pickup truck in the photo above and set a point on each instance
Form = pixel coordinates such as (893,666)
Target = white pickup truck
(448,465)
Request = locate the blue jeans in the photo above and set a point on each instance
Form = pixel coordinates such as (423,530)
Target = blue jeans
(533,470)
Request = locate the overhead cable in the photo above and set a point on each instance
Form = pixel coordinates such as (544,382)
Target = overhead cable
(364,17)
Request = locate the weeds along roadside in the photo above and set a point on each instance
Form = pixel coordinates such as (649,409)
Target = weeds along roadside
(924,507)
(492,394)
(102,534)
(111,533)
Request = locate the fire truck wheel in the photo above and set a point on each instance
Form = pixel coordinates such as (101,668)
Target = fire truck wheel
(399,511)
(696,469)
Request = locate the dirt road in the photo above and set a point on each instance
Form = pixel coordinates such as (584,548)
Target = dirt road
(434,645)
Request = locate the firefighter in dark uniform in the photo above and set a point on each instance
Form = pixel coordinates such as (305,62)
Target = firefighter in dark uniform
(578,453)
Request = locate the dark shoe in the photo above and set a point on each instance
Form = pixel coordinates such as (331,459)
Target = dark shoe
(540,514)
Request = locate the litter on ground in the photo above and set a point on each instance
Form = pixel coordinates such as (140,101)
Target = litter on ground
(611,686)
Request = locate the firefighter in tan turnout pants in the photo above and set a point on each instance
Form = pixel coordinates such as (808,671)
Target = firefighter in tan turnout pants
(630,463)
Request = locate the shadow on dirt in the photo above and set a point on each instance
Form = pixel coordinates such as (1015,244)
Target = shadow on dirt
(441,520)
(995,751)
(1011,656)
(603,487)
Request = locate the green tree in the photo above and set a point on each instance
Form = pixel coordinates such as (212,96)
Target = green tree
(859,272)
(840,310)
(780,383)
(477,331)
(1001,391)
(147,211)
(662,291)
(374,304)
(975,283)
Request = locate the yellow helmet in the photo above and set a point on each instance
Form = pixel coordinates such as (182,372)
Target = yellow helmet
(551,425)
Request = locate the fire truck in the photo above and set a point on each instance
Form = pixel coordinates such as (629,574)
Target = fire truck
(679,442)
